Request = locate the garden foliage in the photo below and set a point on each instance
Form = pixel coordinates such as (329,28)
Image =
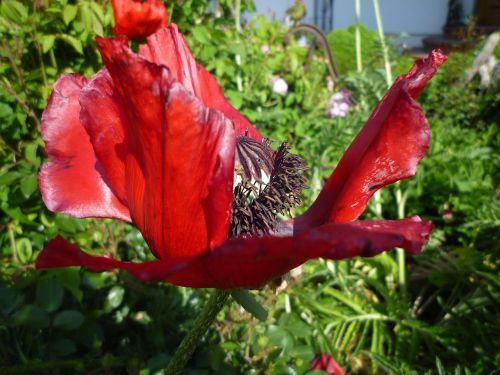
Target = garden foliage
(443,319)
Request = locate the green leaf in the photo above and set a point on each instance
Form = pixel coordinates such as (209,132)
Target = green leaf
(200,34)
(440,367)
(64,347)
(49,294)
(115,297)
(250,304)
(14,11)
(68,320)
(29,184)
(295,325)
(24,250)
(10,300)
(69,13)
(280,338)
(5,110)
(158,362)
(69,277)
(31,315)
(47,42)
(72,41)
(344,299)
(30,153)
(384,362)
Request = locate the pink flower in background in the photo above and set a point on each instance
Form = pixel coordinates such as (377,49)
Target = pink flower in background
(280,86)
(327,363)
(339,105)
(264,49)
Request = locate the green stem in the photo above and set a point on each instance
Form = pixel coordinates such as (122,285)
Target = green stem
(193,338)
(385,48)
(359,63)
(401,256)
(12,238)
(237,15)
(171,13)
(237,24)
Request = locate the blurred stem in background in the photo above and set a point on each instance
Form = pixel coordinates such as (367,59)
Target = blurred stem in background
(383,44)
(359,63)
(237,24)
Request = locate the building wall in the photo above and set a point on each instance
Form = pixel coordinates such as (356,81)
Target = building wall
(398,16)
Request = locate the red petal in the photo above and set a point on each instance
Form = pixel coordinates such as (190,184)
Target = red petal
(179,174)
(327,363)
(102,118)
(388,148)
(251,262)
(167,47)
(71,181)
(136,18)
(60,253)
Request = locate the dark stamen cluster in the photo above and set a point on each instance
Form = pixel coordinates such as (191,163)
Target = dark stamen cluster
(282,192)
(253,158)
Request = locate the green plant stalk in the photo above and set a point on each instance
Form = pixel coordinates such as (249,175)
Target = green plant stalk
(171,13)
(400,253)
(237,25)
(237,15)
(12,239)
(385,48)
(200,327)
(359,62)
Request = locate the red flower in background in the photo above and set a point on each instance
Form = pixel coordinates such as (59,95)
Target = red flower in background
(151,140)
(327,363)
(137,18)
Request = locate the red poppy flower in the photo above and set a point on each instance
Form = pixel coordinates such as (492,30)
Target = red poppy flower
(151,140)
(137,18)
(325,362)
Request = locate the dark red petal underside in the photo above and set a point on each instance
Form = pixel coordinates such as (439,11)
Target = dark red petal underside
(167,47)
(251,262)
(388,148)
(138,19)
(179,172)
(71,181)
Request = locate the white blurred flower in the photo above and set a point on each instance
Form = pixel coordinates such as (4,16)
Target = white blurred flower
(264,49)
(339,105)
(280,86)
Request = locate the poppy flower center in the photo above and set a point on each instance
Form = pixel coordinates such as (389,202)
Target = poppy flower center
(266,184)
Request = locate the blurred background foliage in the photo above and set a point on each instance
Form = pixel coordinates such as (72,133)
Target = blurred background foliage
(443,320)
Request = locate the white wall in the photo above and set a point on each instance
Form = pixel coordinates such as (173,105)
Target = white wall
(410,16)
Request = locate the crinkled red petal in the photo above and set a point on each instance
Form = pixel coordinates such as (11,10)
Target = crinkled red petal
(102,118)
(167,47)
(388,148)
(179,169)
(251,262)
(136,18)
(71,181)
